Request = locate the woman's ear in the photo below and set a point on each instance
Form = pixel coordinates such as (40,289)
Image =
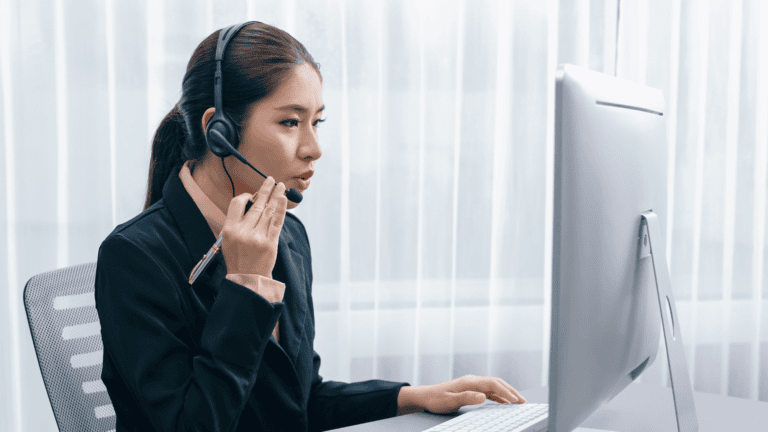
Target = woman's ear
(207,116)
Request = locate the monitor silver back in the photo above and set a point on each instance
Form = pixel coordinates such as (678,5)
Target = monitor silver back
(610,166)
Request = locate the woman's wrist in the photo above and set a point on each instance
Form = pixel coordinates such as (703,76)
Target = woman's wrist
(409,400)
(272,290)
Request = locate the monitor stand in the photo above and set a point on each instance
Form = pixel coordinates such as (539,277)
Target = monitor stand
(678,369)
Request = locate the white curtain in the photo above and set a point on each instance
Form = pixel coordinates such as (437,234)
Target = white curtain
(430,214)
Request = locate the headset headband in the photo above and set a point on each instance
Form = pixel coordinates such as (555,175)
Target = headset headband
(225,35)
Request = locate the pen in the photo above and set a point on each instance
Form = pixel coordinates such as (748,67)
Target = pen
(207,258)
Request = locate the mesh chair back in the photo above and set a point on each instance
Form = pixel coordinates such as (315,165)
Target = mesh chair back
(67,337)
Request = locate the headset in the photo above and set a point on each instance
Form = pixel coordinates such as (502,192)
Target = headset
(221,132)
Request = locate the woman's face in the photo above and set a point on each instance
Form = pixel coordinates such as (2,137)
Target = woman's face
(280,135)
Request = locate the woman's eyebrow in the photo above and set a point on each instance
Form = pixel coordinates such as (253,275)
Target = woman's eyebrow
(299,108)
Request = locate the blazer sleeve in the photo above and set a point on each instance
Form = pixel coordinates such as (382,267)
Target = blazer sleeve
(176,385)
(334,404)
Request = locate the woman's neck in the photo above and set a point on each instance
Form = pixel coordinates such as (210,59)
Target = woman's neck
(210,177)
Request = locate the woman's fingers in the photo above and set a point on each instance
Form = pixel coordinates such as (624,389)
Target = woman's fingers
(236,208)
(499,399)
(272,209)
(276,224)
(253,215)
(495,388)
(514,391)
(498,389)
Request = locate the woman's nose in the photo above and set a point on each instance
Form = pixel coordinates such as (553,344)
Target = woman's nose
(310,146)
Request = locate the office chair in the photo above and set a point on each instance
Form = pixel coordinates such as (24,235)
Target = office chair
(67,337)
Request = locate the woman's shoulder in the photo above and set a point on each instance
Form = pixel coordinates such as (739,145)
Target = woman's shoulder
(151,229)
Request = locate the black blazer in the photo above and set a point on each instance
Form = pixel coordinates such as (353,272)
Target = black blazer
(202,357)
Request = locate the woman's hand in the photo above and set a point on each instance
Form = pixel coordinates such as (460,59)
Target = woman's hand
(249,242)
(449,396)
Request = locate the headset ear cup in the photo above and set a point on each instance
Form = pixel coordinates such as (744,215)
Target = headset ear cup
(219,147)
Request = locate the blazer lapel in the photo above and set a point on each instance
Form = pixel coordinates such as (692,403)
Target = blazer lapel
(289,269)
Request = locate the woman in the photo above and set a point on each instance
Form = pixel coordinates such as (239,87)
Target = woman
(234,350)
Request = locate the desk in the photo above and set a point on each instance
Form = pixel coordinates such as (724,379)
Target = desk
(638,408)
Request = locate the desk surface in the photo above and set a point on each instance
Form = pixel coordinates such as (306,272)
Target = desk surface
(638,408)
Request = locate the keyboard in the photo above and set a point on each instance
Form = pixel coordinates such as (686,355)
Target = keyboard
(528,417)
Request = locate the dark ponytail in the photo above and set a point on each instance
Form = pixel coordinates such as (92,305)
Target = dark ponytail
(257,60)
(167,153)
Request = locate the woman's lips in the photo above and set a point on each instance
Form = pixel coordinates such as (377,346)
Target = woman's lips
(303,184)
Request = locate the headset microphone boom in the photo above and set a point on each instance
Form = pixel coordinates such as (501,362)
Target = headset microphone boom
(291,194)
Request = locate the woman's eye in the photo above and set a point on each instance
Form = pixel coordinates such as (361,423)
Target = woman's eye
(295,122)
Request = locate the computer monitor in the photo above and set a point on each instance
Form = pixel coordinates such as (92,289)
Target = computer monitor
(610,171)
